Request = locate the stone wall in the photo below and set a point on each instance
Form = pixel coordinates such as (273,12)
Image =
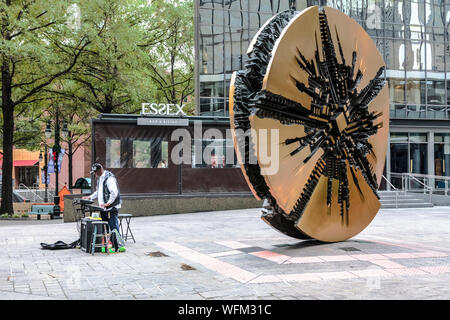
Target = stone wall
(172,204)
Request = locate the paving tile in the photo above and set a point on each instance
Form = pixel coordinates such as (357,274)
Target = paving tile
(304,260)
(403,255)
(225,253)
(272,256)
(338,258)
(367,257)
(387,264)
(236,256)
(436,269)
(299,277)
(407,271)
(335,275)
(372,273)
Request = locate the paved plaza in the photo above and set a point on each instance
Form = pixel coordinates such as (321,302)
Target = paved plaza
(403,254)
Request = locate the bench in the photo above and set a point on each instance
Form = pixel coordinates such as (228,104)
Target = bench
(39,209)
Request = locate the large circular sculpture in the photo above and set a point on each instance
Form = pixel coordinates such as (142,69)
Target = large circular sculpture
(314,86)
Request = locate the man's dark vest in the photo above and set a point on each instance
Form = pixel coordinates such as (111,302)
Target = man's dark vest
(106,191)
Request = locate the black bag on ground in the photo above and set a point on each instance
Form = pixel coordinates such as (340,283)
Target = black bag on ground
(114,241)
(60,245)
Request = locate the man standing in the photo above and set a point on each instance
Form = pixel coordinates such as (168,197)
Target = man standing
(108,195)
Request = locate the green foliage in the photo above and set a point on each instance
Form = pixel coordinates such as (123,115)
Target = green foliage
(88,57)
(170,57)
(109,77)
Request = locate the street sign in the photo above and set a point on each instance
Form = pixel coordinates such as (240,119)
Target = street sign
(162,122)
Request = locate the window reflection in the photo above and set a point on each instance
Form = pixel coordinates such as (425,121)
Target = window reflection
(415,91)
(214,153)
(137,153)
(441,156)
(408,154)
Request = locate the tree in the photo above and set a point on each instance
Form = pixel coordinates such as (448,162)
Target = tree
(108,56)
(36,48)
(109,77)
(79,131)
(170,63)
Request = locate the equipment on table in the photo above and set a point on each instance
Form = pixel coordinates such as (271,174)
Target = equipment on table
(88,227)
(80,206)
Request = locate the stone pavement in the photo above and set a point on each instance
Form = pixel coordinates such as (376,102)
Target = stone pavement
(403,254)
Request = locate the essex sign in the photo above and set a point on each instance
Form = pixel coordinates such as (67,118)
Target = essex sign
(162,109)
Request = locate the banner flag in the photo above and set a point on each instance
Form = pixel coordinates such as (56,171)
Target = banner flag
(51,163)
(60,158)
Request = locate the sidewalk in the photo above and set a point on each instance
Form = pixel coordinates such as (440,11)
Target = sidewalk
(403,254)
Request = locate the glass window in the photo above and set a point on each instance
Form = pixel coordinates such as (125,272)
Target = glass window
(236,19)
(399,161)
(262,6)
(448,92)
(418,158)
(211,89)
(397,90)
(137,153)
(415,91)
(212,106)
(112,153)
(436,59)
(395,54)
(418,137)
(398,137)
(442,159)
(441,156)
(236,4)
(215,153)
(211,3)
(436,92)
(211,17)
(435,34)
(415,54)
(141,154)
(159,153)
(284,5)
(205,106)
(442,137)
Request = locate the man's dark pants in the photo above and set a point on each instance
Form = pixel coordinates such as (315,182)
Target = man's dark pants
(113,220)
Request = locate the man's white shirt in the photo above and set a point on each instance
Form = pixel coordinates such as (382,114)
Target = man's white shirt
(112,187)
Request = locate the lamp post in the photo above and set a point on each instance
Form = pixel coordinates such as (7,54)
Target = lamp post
(56,152)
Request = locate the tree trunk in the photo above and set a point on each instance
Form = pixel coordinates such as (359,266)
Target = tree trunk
(8,132)
(70,156)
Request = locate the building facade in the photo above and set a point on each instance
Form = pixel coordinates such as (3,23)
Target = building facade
(411,35)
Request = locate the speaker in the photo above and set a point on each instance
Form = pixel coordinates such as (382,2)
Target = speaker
(87,232)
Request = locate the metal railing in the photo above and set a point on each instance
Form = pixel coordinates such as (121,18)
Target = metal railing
(395,189)
(30,192)
(35,193)
(415,182)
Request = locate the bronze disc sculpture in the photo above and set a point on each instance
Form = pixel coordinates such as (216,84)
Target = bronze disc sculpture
(316,82)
